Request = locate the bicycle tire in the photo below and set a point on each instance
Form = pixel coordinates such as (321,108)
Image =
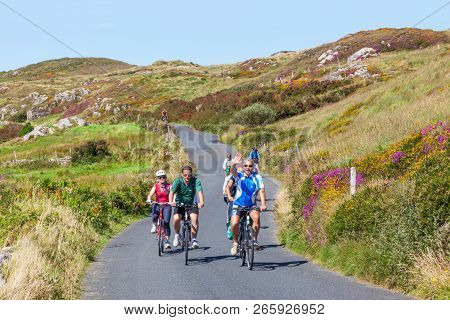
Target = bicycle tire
(241,246)
(160,239)
(186,246)
(250,247)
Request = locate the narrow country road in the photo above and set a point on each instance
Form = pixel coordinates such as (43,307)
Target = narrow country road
(129,266)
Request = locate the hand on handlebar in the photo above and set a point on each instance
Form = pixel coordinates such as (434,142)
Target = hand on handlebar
(201,205)
(263,208)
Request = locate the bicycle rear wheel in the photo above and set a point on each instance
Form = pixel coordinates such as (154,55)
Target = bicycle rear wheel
(160,238)
(250,247)
(187,240)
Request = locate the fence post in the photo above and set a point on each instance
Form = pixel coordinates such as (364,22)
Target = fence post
(352,180)
(15,156)
(129,144)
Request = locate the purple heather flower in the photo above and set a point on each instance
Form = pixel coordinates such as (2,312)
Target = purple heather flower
(242,132)
(426,130)
(397,156)
(427,148)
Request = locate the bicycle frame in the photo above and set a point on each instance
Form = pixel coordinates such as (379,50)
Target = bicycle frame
(186,231)
(245,237)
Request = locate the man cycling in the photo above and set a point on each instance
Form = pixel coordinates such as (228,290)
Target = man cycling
(248,184)
(227,164)
(185,188)
(254,155)
(161,189)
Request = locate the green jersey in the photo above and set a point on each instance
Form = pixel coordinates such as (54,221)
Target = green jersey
(185,193)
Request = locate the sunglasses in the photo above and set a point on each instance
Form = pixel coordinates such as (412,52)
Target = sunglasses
(162,177)
(248,166)
(187,174)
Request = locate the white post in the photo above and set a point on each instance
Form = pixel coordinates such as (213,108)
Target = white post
(139,117)
(15,156)
(298,151)
(129,144)
(352,180)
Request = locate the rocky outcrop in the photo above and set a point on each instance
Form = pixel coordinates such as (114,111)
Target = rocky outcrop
(35,113)
(71,95)
(3,89)
(70,122)
(39,131)
(37,98)
(362,54)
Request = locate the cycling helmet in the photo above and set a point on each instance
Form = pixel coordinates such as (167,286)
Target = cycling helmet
(160,173)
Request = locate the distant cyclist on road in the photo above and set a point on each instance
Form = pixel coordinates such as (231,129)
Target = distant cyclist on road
(161,189)
(185,188)
(164,115)
(248,184)
(255,156)
(227,164)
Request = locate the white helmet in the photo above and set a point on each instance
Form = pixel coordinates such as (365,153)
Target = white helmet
(160,173)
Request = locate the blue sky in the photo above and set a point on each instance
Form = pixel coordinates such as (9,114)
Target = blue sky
(205,32)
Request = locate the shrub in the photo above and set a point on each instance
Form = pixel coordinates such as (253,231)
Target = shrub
(26,129)
(20,117)
(91,152)
(253,115)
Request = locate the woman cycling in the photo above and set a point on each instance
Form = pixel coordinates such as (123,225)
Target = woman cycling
(161,189)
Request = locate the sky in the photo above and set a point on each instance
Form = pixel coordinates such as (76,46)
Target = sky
(204,32)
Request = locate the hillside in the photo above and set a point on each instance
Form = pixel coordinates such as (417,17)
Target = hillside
(77,139)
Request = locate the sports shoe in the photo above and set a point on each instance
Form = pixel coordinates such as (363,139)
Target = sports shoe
(195,244)
(256,245)
(176,241)
(167,244)
(234,249)
(153,228)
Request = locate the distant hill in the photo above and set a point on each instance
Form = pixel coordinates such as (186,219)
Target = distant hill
(70,67)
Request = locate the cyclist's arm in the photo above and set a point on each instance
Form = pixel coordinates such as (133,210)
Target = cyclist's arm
(262,195)
(150,195)
(173,190)
(237,159)
(201,199)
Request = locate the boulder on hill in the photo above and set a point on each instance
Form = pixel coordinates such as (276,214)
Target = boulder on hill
(39,131)
(362,54)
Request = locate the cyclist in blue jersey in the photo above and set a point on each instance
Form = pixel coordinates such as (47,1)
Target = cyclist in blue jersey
(248,184)
(255,156)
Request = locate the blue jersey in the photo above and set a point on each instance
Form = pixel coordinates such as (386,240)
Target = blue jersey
(246,189)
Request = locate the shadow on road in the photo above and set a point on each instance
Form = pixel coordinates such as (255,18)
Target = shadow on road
(205,260)
(269,266)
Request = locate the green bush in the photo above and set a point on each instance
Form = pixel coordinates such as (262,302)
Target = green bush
(91,152)
(253,115)
(26,129)
(20,117)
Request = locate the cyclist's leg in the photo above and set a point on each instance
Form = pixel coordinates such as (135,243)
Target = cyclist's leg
(235,223)
(193,213)
(254,214)
(155,213)
(167,212)
(177,212)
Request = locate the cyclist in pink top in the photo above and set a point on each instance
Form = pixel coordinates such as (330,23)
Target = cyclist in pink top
(161,189)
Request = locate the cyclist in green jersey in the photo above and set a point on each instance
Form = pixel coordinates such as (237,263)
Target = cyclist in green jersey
(186,187)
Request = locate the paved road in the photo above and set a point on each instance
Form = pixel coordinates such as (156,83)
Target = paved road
(129,266)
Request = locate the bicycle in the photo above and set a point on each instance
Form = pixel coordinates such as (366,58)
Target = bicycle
(160,232)
(246,246)
(186,230)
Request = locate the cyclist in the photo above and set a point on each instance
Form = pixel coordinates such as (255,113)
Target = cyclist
(227,164)
(228,202)
(248,184)
(164,115)
(254,155)
(161,189)
(185,188)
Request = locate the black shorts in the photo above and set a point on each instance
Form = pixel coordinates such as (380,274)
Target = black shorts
(181,210)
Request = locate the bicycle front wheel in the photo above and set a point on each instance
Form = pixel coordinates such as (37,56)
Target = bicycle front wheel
(187,240)
(250,247)
(160,238)
(241,246)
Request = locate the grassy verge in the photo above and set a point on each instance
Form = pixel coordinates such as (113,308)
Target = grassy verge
(56,219)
